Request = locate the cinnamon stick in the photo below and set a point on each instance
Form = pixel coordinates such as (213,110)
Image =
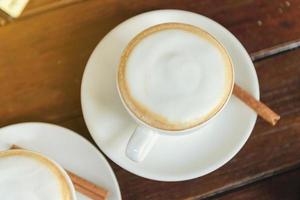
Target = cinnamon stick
(87,185)
(88,193)
(260,108)
(81,185)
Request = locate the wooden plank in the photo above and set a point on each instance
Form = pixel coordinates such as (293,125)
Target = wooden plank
(284,186)
(55,46)
(270,150)
(268,23)
(43,57)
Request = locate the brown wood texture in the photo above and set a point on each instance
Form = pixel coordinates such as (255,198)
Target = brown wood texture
(55,46)
(285,186)
(247,19)
(44,52)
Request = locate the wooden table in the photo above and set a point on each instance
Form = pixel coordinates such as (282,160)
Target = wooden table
(43,54)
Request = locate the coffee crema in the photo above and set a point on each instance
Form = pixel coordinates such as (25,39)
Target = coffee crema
(175,76)
(30,176)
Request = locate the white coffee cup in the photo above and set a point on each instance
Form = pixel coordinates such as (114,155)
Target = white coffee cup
(28,175)
(172,79)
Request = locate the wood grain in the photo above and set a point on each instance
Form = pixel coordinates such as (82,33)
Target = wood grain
(269,150)
(56,45)
(284,186)
(268,24)
(43,55)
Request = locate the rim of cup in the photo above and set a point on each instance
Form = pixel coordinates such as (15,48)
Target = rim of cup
(164,26)
(52,165)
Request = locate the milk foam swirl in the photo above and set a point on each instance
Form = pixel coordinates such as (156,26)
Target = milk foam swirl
(29,176)
(175,76)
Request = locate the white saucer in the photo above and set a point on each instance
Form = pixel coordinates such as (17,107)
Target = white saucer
(172,158)
(69,149)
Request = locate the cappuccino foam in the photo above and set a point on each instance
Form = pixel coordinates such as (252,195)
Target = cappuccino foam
(28,176)
(175,76)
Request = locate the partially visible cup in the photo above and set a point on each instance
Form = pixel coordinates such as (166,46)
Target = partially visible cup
(172,79)
(28,175)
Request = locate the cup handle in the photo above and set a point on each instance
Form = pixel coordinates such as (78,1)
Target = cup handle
(140,143)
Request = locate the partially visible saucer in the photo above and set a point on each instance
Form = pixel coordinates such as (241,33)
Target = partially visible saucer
(172,158)
(70,150)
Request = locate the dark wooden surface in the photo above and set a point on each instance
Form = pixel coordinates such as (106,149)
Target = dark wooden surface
(280,187)
(43,54)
